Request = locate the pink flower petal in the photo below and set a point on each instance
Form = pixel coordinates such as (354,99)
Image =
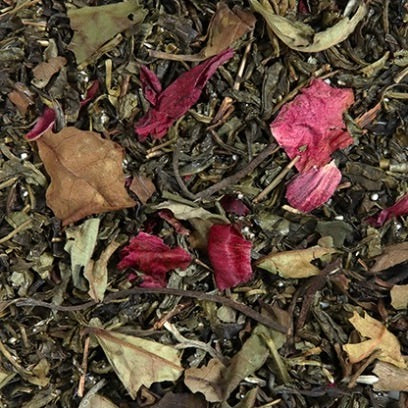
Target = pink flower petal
(150,84)
(177,98)
(230,256)
(90,93)
(44,122)
(399,208)
(312,124)
(313,188)
(234,205)
(152,256)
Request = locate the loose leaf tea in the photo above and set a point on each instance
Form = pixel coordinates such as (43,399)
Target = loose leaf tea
(399,208)
(44,123)
(173,102)
(86,174)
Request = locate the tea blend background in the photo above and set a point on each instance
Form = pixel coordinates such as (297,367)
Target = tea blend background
(204,203)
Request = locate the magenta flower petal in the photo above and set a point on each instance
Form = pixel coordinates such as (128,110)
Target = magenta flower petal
(313,188)
(312,124)
(44,122)
(399,208)
(177,98)
(230,256)
(234,205)
(151,255)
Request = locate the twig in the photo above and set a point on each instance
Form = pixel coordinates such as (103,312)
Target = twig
(275,182)
(248,169)
(81,386)
(15,231)
(179,180)
(240,307)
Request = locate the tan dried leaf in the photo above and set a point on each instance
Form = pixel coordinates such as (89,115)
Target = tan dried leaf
(391,378)
(392,255)
(143,187)
(399,297)
(44,71)
(138,361)
(98,401)
(86,174)
(380,339)
(20,100)
(294,264)
(302,37)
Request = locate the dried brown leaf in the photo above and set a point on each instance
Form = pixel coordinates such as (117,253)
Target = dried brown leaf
(44,71)
(399,297)
(392,255)
(20,100)
(143,187)
(86,174)
(391,378)
(380,339)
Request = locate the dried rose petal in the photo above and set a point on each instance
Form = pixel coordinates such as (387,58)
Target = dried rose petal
(234,205)
(152,256)
(90,93)
(44,122)
(177,98)
(168,216)
(151,85)
(313,188)
(399,208)
(312,124)
(230,256)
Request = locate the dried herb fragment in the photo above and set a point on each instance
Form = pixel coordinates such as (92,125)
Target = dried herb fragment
(311,189)
(152,256)
(86,174)
(234,205)
(230,256)
(177,98)
(399,208)
(44,123)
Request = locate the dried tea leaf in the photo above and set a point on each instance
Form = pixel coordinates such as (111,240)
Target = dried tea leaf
(391,255)
(94,26)
(44,71)
(21,99)
(248,401)
(5,378)
(390,378)
(399,208)
(294,264)
(86,174)
(302,37)
(399,297)
(96,272)
(312,188)
(234,206)
(225,28)
(217,381)
(138,361)
(98,401)
(180,400)
(380,339)
(81,242)
(230,256)
(143,187)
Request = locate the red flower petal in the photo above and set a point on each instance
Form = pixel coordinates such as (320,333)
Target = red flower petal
(230,256)
(152,256)
(90,93)
(44,122)
(312,124)
(168,216)
(177,98)
(313,188)
(234,205)
(399,208)
(150,84)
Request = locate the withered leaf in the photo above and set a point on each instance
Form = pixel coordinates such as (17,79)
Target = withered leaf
(217,381)
(226,27)
(86,174)
(399,297)
(302,37)
(294,264)
(143,187)
(392,255)
(138,361)
(380,339)
(180,400)
(44,71)
(94,26)
(391,378)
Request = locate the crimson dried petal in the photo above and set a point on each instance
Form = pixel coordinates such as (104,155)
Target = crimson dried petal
(44,122)
(230,256)
(313,188)
(234,205)
(90,93)
(312,126)
(399,208)
(177,98)
(152,256)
